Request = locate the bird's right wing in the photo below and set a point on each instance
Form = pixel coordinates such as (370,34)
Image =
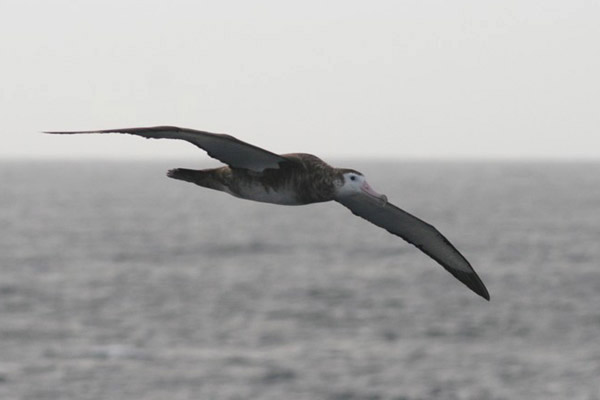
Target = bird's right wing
(225,148)
(417,232)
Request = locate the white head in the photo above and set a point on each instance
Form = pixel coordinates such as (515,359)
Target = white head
(355,183)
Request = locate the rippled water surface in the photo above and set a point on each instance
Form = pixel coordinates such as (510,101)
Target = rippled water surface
(119,283)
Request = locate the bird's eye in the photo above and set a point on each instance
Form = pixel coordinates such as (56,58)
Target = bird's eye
(352,178)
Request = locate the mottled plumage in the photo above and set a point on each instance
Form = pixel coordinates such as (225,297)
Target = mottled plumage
(256,174)
(304,179)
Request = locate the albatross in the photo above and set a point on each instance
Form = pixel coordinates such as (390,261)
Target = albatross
(253,173)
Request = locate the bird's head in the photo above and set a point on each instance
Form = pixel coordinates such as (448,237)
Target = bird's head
(352,182)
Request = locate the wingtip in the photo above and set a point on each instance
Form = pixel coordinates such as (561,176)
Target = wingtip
(58,132)
(484,293)
(472,281)
(479,288)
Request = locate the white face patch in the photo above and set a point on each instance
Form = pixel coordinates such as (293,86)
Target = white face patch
(356,183)
(353,183)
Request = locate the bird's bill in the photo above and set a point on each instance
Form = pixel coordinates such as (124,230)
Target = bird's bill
(371,192)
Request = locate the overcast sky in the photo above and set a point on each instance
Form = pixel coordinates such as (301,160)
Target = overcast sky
(387,79)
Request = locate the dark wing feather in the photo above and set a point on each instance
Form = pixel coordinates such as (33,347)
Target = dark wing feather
(225,148)
(419,233)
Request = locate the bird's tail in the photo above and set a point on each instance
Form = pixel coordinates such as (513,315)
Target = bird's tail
(206,178)
(183,174)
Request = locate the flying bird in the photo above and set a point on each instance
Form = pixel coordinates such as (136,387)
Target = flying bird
(253,173)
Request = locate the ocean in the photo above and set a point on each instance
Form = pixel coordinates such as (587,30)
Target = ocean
(119,283)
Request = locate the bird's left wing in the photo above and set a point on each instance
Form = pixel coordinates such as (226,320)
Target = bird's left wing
(225,148)
(417,232)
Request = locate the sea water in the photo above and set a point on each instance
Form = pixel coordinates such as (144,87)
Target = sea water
(119,283)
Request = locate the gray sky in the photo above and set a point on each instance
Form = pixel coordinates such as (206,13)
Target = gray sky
(382,79)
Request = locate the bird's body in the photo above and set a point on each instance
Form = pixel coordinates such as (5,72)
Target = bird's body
(253,173)
(305,179)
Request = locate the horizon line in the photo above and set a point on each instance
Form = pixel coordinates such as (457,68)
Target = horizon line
(383,159)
